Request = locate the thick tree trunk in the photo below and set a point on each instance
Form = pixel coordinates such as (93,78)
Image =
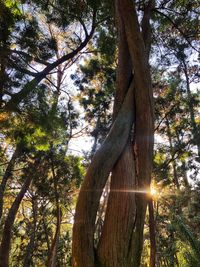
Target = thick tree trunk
(7,231)
(122,236)
(123,227)
(94,182)
(120,214)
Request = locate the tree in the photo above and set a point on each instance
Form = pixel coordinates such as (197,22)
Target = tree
(112,248)
(40,41)
(129,162)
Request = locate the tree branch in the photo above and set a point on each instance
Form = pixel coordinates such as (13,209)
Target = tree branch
(18,97)
(177,27)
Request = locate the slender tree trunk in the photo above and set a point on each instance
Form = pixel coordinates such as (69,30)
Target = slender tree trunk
(54,246)
(152,232)
(6,176)
(30,247)
(175,176)
(172,251)
(46,233)
(195,129)
(7,231)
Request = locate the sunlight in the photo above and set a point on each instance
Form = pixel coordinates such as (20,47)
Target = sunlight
(153,191)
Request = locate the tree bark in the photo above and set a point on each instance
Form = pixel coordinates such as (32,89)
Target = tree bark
(7,231)
(122,235)
(30,247)
(54,246)
(152,233)
(120,213)
(94,182)
(175,176)
(195,129)
(7,175)
(123,227)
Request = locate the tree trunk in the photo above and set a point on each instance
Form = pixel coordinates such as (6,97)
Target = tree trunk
(195,130)
(175,176)
(122,235)
(120,214)
(152,232)
(30,247)
(7,174)
(116,234)
(54,246)
(94,182)
(45,227)
(7,231)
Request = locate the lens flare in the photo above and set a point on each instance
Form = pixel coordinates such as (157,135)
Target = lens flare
(153,191)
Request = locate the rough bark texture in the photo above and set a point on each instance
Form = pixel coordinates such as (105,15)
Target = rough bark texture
(120,213)
(121,242)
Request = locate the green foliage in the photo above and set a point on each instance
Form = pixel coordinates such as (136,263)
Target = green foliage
(192,256)
(35,33)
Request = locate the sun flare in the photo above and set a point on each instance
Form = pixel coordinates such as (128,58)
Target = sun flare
(153,191)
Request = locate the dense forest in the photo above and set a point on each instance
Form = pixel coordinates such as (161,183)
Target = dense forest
(99,133)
